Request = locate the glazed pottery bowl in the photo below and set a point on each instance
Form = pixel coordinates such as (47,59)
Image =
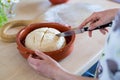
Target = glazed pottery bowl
(58,54)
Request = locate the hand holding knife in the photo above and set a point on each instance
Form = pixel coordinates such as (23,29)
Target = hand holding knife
(78,30)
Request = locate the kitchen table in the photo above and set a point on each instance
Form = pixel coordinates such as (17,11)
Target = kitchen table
(86,50)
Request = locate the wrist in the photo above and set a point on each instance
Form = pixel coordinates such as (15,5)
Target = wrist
(115,10)
(64,75)
(60,75)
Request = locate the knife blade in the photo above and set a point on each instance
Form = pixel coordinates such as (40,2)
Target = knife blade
(78,30)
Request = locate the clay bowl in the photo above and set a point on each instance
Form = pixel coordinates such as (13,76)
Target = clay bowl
(54,2)
(58,54)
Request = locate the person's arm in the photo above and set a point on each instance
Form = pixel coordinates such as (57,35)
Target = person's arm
(49,68)
(99,18)
(67,76)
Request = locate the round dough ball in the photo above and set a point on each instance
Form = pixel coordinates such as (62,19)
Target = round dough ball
(45,40)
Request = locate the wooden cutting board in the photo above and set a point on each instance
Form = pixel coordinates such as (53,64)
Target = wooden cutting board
(14,67)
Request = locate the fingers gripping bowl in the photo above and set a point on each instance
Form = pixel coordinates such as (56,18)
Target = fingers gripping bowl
(57,54)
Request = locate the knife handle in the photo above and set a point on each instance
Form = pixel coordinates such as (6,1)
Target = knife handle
(100,27)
